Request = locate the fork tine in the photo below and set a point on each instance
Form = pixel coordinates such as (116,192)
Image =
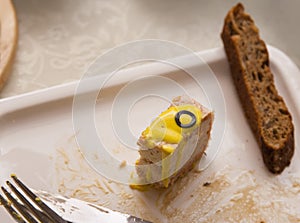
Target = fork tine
(19,207)
(13,213)
(39,215)
(53,215)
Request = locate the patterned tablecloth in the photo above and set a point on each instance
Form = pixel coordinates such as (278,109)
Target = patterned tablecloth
(58,39)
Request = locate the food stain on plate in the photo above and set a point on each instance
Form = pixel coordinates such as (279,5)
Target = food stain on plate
(228,194)
(75,178)
(232,196)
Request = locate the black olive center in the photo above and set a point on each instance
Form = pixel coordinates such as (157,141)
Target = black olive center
(185,112)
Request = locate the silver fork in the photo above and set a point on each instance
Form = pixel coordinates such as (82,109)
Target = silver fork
(25,206)
(22,209)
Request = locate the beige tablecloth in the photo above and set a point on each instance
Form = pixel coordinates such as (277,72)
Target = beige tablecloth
(58,39)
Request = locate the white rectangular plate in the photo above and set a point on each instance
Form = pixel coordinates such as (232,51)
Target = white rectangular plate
(38,143)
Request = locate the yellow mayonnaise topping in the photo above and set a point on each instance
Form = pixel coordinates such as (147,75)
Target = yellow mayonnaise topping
(164,127)
(165,169)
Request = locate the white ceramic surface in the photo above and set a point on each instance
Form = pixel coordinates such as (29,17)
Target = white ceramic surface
(38,143)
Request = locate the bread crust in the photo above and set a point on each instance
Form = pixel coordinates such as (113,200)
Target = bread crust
(8,40)
(264,108)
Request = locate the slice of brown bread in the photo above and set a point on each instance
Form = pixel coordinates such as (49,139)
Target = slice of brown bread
(264,108)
